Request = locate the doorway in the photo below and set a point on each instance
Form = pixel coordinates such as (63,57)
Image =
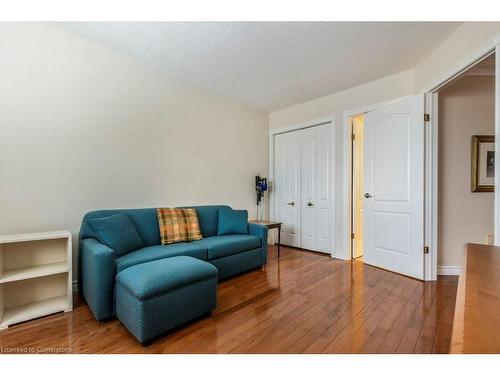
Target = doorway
(357,189)
(466,174)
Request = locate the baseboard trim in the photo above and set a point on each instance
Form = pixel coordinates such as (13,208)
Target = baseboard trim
(339,255)
(448,270)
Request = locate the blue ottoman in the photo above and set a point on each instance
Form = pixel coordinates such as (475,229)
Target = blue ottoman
(155,297)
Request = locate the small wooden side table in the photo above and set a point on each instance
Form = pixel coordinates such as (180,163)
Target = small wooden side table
(271,225)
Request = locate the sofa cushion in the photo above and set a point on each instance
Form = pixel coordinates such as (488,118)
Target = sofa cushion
(221,246)
(232,222)
(144,219)
(152,253)
(149,280)
(208,218)
(178,225)
(117,232)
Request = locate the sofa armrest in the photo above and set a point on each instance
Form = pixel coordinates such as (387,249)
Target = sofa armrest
(261,232)
(98,277)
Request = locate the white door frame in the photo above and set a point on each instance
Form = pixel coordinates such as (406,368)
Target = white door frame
(431,153)
(308,124)
(345,251)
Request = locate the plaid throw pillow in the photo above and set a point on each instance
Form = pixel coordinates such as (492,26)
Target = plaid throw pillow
(178,225)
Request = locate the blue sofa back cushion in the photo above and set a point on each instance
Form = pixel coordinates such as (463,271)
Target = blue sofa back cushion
(232,222)
(145,222)
(208,218)
(118,232)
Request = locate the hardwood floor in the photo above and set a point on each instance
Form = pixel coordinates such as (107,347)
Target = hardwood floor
(303,302)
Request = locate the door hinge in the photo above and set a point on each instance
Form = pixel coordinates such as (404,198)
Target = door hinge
(352,236)
(426,249)
(353,137)
(427,117)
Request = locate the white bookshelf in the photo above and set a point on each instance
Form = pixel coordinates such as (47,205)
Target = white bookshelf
(35,276)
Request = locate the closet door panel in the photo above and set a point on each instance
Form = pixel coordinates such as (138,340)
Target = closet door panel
(280,188)
(293,183)
(308,186)
(287,187)
(324,189)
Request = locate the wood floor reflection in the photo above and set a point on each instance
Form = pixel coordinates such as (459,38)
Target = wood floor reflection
(303,302)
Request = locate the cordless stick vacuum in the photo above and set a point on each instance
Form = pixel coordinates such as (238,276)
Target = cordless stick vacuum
(260,188)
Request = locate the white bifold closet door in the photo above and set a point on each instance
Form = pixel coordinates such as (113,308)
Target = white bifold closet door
(287,187)
(303,186)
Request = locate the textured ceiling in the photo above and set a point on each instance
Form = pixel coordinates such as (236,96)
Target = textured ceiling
(272,65)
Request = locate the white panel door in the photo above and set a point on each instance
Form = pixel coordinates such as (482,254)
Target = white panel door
(316,187)
(287,187)
(308,153)
(293,186)
(394,185)
(323,202)
(279,187)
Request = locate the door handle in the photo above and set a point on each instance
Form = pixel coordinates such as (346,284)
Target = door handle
(368,195)
(310,204)
(291,203)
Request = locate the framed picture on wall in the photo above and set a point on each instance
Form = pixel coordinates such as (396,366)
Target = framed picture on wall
(483,163)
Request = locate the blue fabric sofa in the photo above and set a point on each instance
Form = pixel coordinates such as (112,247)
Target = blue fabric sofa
(99,266)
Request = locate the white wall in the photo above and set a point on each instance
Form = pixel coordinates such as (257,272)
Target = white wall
(466,108)
(84,128)
(384,89)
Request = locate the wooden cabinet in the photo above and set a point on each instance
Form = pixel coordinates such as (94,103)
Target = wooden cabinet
(476,325)
(35,276)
